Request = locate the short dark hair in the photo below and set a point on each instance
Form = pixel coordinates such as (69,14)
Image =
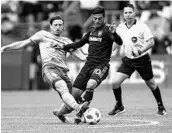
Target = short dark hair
(130,5)
(99,10)
(56,17)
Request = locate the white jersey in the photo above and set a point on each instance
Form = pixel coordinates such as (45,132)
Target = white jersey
(134,37)
(48,45)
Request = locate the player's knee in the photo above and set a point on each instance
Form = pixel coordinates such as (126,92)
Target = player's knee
(61,87)
(151,84)
(92,84)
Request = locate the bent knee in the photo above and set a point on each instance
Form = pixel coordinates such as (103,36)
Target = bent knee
(151,84)
(61,87)
(118,79)
(116,84)
(92,84)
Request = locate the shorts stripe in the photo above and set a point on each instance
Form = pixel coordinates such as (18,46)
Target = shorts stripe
(48,75)
(103,71)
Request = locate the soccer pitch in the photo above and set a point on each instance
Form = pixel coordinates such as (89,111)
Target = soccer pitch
(31,112)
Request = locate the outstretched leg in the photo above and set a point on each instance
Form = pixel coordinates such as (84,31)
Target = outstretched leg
(65,109)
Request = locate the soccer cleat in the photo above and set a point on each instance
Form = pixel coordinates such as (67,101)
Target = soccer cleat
(161,110)
(77,120)
(63,118)
(117,110)
(79,114)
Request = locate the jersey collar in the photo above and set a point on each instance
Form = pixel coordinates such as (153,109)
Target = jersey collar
(135,21)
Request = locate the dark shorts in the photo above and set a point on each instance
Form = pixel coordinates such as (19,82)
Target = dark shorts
(52,74)
(142,65)
(96,72)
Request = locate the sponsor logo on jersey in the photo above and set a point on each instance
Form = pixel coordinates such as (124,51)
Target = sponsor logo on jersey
(54,74)
(100,33)
(134,39)
(95,39)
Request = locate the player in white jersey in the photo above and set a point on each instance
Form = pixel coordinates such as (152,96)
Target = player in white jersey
(137,40)
(54,67)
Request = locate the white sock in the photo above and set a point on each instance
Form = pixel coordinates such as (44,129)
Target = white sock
(69,100)
(64,109)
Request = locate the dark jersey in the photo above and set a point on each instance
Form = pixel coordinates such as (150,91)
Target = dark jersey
(100,42)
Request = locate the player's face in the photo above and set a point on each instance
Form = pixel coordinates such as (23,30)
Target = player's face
(129,14)
(57,27)
(98,20)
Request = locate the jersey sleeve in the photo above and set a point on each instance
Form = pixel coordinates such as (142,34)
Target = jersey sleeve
(147,33)
(77,44)
(116,38)
(37,37)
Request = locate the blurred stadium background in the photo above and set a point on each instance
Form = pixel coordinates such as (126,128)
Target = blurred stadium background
(26,108)
(21,70)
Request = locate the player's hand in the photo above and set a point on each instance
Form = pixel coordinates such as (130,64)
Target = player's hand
(136,52)
(113,26)
(68,48)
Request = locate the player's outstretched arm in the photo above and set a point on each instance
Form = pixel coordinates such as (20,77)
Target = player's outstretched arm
(73,46)
(16,45)
(117,38)
(149,44)
(78,44)
(115,46)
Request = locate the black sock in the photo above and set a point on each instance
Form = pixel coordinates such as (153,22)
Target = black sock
(88,96)
(117,92)
(157,95)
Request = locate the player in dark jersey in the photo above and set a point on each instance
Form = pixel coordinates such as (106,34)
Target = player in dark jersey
(95,70)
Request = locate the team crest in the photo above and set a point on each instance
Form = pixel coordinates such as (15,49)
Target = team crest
(54,74)
(100,33)
(134,39)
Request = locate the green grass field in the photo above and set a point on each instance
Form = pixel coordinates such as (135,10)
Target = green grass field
(31,112)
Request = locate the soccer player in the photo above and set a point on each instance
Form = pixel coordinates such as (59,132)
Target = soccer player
(137,40)
(54,67)
(100,39)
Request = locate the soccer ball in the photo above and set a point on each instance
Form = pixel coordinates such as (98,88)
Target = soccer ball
(92,116)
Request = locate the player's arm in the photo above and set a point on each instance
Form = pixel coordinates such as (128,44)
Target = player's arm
(114,46)
(77,44)
(21,44)
(149,41)
(149,44)
(117,38)
(17,45)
